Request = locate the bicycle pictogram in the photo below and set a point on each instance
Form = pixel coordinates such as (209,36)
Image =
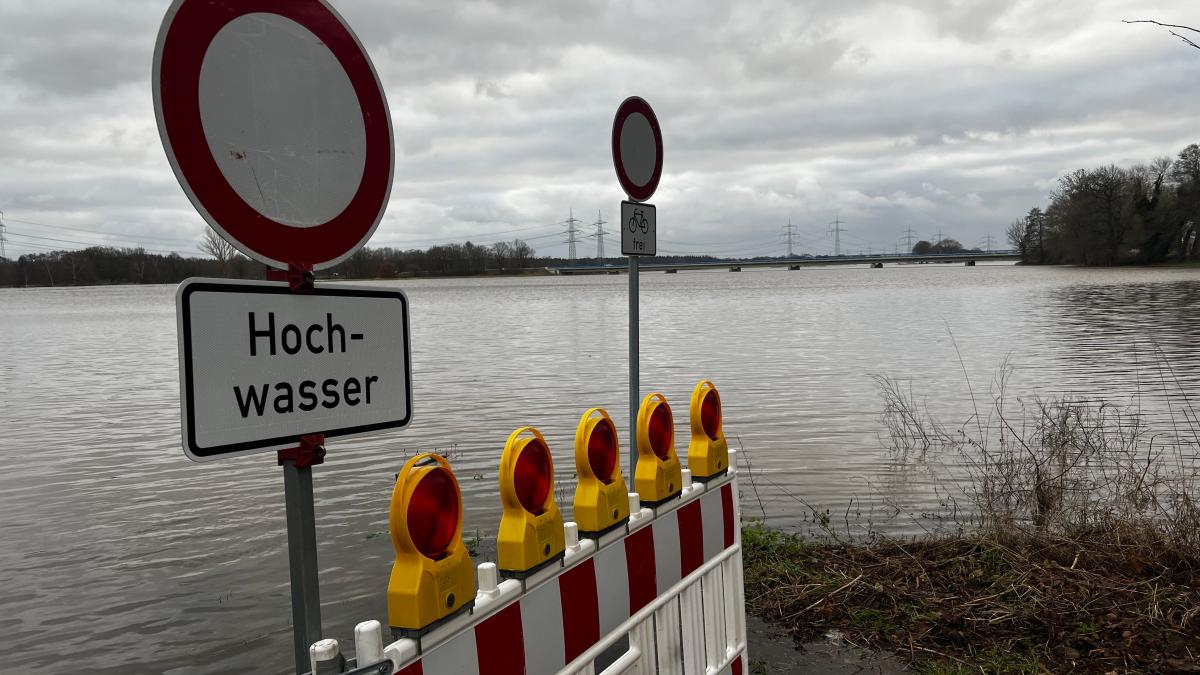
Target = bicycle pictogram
(638,220)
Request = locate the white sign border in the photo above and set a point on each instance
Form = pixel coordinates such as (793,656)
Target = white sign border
(186,412)
(652,234)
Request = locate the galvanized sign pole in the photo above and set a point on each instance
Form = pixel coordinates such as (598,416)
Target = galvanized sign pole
(637,151)
(302,559)
(634,388)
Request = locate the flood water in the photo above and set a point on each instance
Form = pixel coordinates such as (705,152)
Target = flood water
(118,554)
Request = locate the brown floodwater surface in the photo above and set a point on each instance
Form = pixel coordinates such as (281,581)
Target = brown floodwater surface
(117,554)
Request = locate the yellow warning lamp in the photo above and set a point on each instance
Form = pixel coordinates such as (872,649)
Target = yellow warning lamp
(432,577)
(708,453)
(531,529)
(601,497)
(658,476)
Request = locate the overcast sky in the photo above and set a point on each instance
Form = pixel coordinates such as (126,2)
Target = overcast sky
(940,115)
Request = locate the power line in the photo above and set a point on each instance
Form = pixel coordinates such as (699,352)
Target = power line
(738,245)
(478,235)
(477,240)
(791,229)
(908,237)
(987,242)
(717,244)
(169,240)
(837,234)
(186,244)
(23,235)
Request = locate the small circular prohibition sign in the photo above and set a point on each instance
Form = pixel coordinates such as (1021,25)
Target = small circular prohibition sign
(275,123)
(637,148)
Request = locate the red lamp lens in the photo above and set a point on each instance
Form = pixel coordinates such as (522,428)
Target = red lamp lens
(531,476)
(710,413)
(602,450)
(433,512)
(662,431)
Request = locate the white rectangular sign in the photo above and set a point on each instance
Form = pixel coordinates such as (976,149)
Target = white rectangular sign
(638,236)
(260,366)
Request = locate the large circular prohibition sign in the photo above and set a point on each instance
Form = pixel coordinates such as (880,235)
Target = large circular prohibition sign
(637,148)
(313,238)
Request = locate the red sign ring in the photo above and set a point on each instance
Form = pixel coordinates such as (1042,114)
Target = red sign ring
(631,105)
(180,56)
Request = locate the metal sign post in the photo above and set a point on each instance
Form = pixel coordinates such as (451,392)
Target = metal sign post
(637,150)
(275,123)
(302,545)
(634,356)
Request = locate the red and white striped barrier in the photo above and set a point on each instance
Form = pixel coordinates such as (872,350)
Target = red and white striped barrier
(669,586)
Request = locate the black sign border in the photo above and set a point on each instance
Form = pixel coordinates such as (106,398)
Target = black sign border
(645,205)
(281,289)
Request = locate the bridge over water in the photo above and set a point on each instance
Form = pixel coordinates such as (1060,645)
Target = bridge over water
(795,262)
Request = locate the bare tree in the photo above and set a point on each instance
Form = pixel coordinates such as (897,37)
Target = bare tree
(502,251)
(521,253)
(216,246)
(1169,26)
(1017,239)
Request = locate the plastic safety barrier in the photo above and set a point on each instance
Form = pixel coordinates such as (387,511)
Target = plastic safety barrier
(662,594)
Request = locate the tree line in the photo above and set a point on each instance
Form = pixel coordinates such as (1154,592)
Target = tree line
(947,245)
(110,265)
(466,259)
(1110,215)
(99,265)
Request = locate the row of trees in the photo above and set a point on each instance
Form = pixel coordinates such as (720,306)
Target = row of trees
(107,265)
(944,246)
(444,260)
(1111,215)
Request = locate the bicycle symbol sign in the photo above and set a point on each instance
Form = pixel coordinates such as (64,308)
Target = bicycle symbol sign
(638,221)
(638,236)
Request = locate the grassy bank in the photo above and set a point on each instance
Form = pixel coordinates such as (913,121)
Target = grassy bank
(1069,542)
(970,604)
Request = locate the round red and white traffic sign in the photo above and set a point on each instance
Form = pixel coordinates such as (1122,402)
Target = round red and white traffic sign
(637,148)
(273,118)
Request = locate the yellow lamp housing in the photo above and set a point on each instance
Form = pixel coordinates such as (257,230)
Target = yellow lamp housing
(708,453)
(658,477)
(433,577)
(531,528)
(601,497)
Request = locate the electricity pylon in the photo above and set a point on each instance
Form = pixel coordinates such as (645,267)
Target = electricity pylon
(571,222)
(600,232)
(837,234)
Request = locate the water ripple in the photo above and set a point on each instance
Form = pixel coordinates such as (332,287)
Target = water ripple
(120,555)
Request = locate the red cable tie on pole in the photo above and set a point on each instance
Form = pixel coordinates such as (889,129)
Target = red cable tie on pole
(310,452)
(298,275)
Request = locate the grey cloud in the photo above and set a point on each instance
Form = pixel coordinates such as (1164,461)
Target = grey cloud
(77,48)
(770,109)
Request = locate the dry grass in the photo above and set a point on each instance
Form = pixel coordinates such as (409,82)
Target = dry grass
(982,604)
(1069,467)
(1075,545)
